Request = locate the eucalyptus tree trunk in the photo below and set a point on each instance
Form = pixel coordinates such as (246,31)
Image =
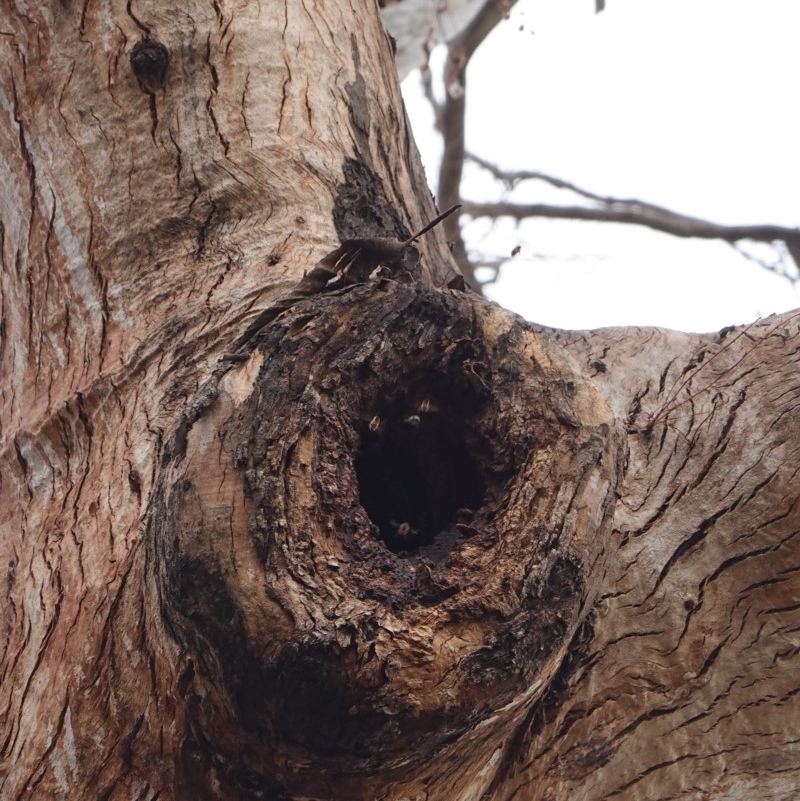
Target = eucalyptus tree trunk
(282,526)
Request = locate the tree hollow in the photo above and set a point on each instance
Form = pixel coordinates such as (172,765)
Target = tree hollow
(385,529)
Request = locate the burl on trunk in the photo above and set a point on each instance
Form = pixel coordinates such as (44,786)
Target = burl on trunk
(379,540)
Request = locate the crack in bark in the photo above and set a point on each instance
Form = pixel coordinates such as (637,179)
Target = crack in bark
(139,24)
(243,104)
(687,545)
(212,95)
(27,158)
(151,103)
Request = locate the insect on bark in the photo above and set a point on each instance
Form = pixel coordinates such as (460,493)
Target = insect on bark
(356,259)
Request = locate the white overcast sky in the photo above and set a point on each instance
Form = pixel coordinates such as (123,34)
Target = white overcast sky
(689,104)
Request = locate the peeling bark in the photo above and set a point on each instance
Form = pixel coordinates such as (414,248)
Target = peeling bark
(381,540)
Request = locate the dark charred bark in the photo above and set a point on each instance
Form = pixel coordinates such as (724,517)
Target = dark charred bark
(415,472)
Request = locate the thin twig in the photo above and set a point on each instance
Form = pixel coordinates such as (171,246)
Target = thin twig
(632,212)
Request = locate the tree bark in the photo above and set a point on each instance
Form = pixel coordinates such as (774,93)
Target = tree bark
(378,539)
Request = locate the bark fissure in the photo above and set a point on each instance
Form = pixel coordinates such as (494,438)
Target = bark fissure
(283,520)
(211,98)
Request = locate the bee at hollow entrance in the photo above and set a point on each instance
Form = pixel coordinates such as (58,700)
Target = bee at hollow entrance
(415,471)
(406,537)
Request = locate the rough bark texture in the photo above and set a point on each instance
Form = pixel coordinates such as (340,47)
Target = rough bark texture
(333,543)
(380,541)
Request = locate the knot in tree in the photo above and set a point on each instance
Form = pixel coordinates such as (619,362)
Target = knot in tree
(385,530)
(149,62)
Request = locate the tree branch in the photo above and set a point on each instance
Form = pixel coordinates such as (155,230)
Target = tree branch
(450,122)
(637,212)
(627,210)
(460,50)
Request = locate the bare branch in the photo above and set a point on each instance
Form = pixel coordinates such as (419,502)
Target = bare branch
(451,117)
(785,264)
(511,178)
(637,212)
(426,80)
(483,23)
(450,122)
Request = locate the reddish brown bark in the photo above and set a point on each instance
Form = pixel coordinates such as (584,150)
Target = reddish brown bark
(377,540)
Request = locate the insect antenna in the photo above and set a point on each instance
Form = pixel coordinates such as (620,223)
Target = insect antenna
(432,224)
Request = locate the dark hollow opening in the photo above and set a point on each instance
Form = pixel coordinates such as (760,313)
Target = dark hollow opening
(419,470)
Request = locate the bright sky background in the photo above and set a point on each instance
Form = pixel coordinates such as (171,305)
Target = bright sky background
(689,104)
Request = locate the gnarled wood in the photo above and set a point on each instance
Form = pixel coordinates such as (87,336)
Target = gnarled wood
(380,547)
(388,541)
